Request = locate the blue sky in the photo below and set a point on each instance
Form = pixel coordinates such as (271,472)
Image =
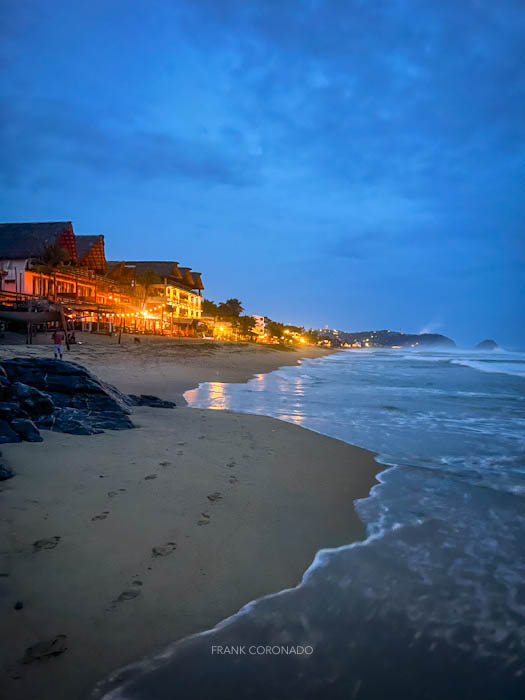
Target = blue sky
(359,164)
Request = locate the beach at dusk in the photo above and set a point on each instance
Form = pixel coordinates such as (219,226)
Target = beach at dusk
(262,350)
(241,504)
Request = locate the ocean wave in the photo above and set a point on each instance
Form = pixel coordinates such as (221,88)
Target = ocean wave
(515,368)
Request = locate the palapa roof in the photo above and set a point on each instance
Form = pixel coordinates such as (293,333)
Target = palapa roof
(90,251)
(197,281)
(20,241)
(165,269)
(85,243)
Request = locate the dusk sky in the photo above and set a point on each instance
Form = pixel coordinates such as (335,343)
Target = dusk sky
(359,164)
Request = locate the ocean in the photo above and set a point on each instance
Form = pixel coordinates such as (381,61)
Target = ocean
(432,603)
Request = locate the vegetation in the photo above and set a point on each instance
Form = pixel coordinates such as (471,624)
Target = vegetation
(51,257)
(231,310)
(246,324)
(147,280)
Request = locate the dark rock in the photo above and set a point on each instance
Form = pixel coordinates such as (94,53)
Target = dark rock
(18,605)
(152,401)
(34,402)
(486,345)
(72,421)
(63,397)
(5,387)
(62,377)
(61,400)
(45,422)
(26,429)
(43,650)
(7,434)
(109,420)
(10,410)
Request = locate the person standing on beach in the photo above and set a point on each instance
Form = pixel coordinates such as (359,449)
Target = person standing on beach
(58,338)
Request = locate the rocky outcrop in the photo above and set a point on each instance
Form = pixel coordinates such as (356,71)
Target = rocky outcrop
(486,345)
(152,401)
(45,394)
(60,396)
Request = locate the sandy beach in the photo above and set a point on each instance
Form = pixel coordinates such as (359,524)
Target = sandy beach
(166,529)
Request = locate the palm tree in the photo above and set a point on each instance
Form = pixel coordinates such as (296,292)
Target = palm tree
(146,280)
(51,257)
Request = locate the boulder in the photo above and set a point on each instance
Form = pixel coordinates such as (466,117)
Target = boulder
(64,378)
(26,429)
(10,410)
(64,397)
(69,420)
(34,402)
(7,434)
(5,387)
(152,401)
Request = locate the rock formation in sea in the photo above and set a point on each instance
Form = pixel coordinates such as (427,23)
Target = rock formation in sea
(486,345)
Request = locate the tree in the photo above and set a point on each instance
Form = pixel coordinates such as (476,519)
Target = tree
(246,324)
(312,336)
(146,280)
(274,328)
(210,308)
(52,256)
(230,307)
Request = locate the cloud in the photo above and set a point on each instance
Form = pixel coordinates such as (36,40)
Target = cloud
(57,135)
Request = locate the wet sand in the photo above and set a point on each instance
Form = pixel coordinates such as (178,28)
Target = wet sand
(166,529)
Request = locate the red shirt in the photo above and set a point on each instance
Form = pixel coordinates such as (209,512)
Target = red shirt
(58,337)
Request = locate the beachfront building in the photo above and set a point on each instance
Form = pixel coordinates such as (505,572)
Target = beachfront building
(168,297)
(260,325)
(48,260)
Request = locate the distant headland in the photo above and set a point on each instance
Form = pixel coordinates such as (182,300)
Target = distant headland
(387,339)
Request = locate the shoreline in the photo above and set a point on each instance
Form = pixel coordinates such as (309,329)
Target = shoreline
(276,508)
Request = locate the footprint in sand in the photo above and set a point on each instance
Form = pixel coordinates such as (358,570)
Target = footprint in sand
(233,480)
(180,453)
(216,496)
(164,464)
(205,519)
(163,550)
(231,464)
(149,477)
(181,443)
(47,543)
(112,494)
(102,516)
(128,595)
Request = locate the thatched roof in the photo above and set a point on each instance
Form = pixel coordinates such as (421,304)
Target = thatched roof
(165,269)
(197,281)
(85,243)
(19,241)
(90,251)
